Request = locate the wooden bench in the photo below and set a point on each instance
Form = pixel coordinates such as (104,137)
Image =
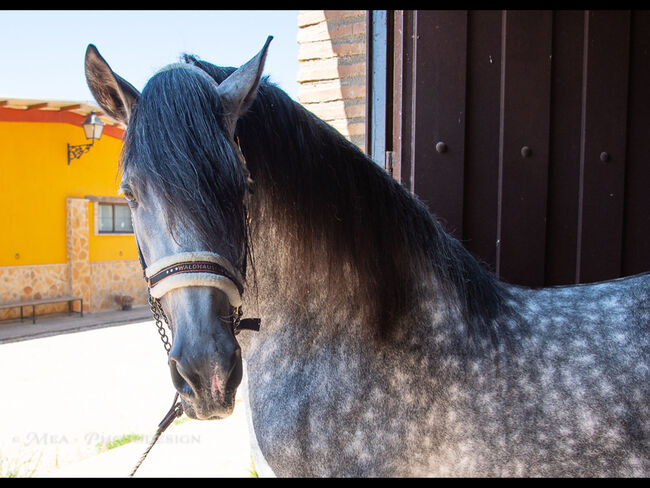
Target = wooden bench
(43,301)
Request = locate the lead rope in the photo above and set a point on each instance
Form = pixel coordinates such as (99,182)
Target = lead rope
(177,408)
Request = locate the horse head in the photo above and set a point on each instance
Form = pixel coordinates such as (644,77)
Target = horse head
(185,180)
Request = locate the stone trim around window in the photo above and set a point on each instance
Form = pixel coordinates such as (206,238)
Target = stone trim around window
(97,200)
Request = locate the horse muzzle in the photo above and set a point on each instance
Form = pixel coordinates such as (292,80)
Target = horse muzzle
(206,374)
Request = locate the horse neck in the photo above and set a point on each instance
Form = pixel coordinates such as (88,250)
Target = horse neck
(334,238)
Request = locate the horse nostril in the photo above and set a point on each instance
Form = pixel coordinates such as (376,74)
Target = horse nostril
(180,381)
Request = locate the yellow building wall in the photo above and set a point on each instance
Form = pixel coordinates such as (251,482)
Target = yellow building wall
(35,180)
(48,244)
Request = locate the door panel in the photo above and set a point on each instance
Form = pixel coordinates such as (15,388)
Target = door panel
(526,134)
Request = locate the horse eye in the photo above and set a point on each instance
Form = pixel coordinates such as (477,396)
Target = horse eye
(128,195)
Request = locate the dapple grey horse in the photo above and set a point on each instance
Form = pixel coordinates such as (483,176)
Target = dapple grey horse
(385,348)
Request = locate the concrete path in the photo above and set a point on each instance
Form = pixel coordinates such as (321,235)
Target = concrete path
(64,323)
(63,395)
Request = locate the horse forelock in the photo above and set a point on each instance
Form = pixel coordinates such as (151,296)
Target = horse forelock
(176,147)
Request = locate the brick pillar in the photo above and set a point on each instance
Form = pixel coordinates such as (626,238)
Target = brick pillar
(332,72)
(77,229)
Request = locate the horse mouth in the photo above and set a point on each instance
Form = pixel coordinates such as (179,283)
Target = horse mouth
(208,410)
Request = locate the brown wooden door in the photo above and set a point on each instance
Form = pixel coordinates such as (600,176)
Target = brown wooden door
(526,133)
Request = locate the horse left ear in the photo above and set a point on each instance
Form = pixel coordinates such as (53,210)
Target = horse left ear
(116,96)
(237,92)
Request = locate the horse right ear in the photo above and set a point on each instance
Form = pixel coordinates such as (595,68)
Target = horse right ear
(116,96)
(237,92)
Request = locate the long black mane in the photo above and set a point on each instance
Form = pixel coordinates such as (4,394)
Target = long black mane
(338,214)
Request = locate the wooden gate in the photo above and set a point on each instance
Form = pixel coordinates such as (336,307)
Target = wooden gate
(527,133)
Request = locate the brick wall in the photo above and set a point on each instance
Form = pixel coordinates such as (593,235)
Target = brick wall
(332,72)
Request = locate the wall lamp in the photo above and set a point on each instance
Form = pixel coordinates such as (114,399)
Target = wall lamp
(93,127)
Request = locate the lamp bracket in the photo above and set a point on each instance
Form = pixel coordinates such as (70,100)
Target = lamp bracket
(75,152)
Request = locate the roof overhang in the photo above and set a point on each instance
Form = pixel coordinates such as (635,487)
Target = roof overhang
(33,110)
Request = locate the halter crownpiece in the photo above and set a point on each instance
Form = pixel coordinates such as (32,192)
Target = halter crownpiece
(195,269)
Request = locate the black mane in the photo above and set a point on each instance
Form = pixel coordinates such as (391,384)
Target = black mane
(339,214)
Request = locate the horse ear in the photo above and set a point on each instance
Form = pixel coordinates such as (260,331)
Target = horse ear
(237,92)
(116,96)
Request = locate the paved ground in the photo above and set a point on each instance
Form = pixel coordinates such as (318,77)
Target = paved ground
(63,323)
(70,384)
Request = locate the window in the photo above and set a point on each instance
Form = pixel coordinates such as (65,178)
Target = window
(113,218)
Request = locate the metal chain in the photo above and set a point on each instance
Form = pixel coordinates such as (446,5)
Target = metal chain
(159,315)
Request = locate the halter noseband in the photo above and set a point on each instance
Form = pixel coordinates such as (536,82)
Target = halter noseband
(197,269)
(194,269)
